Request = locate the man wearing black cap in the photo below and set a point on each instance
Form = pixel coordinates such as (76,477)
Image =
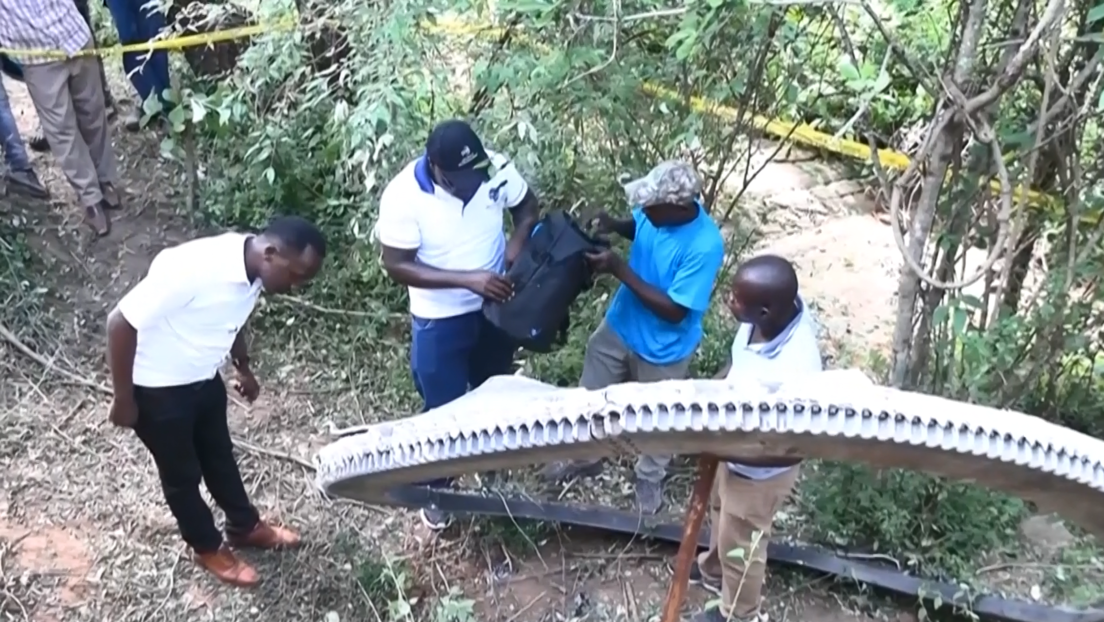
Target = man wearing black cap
(440,225)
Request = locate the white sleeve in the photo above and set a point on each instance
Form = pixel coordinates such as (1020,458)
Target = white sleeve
(508,180)
(397,225)
(164,290)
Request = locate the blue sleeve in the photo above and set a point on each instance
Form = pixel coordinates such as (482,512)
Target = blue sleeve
(638,217)
(693,282)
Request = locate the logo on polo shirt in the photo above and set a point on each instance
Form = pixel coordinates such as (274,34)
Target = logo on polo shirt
(494,192)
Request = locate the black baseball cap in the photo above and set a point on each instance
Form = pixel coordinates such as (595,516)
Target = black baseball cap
(455,149)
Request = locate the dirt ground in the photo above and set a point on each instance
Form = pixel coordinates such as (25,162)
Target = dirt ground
(85,535)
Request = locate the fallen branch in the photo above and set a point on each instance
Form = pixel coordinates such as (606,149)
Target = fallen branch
(272,453)
(332,311)
(22,348)
(13,340)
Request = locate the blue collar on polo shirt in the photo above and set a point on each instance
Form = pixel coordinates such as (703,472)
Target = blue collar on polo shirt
(423,176)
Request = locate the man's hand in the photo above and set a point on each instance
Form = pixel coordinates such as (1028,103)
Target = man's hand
(491,286)
(246,384)
(604,224)
(607,262)
(124,412)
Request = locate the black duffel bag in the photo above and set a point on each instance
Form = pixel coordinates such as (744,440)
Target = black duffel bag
(548,276)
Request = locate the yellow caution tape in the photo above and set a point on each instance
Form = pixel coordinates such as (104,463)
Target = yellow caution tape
(796,132)
(170,43)
(806,135)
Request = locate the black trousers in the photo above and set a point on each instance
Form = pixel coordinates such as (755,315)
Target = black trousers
(185,429)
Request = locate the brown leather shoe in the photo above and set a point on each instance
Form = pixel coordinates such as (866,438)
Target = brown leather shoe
(265,536)
(228,568)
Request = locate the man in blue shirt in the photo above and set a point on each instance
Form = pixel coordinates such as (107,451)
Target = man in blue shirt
(654,324)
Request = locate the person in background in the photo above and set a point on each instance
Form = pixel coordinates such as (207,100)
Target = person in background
(166,341)
(139,21)
(440,226)
(38,140)
(19,176)
(68,97)
(776,340)
(654,324)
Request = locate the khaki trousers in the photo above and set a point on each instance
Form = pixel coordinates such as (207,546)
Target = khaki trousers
(607,362)
(740,508)
(69,98)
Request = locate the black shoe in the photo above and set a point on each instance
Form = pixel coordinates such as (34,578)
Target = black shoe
(26,183)
(709,584)
(435,519)
(649,496)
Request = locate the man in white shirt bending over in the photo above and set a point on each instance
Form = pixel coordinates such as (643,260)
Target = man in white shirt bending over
(166,341)
(776,340)
(440,225)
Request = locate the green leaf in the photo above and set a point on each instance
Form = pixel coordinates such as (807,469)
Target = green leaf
(683,52)
(530,6)
(677,37)
(177,117)
(199,112)
(959,318)
(939,316)
(882,82)
(1095,14)
(971,301)
(848,71)
(736,553)
(151,106)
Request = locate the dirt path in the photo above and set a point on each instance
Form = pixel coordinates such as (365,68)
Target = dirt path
(85,535)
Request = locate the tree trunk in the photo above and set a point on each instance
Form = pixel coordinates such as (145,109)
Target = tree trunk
(944,148)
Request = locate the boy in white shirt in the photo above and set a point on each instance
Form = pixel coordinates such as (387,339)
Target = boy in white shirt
(776,340)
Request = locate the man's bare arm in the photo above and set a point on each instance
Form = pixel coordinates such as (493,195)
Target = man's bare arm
(525,217)
(624,227)
(122,343)
(239,352)
(654,299)
(402,265)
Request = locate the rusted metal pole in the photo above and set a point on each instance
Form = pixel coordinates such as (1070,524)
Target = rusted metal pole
(691,527)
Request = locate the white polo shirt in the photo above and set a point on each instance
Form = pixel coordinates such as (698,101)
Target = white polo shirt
(188,310)
(415,213)
(800,355)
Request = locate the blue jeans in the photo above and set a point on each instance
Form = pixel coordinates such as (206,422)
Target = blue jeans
(15,154)
(137,23)
(448,355)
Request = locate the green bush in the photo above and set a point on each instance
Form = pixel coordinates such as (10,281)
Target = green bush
(937,527)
